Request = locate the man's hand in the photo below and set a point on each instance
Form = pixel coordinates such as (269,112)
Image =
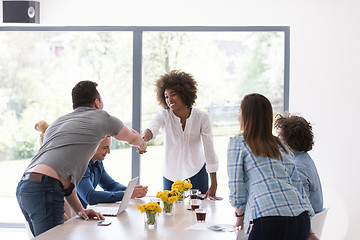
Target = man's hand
(138,149)
(142,143)
(139,191)
(86,214)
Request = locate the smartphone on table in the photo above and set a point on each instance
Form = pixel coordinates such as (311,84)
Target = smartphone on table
(104,223)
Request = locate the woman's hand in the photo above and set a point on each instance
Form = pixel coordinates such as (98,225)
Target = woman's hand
(312,236)
(211,193)
(86,214)
(239,223)
(239,214)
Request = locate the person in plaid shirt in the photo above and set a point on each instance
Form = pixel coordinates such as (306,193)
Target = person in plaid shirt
(264,184)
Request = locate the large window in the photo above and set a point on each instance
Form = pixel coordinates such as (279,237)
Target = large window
(38,71)
(226,66)
(40,65)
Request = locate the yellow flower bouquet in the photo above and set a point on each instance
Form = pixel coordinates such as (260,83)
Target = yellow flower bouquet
(181,186)
(150,209)
(168,198)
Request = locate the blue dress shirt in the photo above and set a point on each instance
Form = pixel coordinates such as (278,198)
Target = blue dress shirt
(95,174)
(310,179)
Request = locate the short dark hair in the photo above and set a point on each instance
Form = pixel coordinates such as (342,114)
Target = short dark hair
(295,131)
(84,94)
(182,83)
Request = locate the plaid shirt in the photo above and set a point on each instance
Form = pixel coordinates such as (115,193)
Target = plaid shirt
(264,186)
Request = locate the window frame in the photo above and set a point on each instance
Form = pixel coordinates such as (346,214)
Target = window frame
(137,58)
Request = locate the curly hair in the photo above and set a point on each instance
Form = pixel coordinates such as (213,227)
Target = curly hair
(295,131)
(182,83)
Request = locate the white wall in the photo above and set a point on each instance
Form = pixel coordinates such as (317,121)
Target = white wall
(324,76)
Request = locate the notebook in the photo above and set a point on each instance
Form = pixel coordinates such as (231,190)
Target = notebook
(114,211)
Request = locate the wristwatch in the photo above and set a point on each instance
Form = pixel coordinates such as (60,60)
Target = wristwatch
(236,215)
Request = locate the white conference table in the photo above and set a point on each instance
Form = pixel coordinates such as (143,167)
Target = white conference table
(130,224)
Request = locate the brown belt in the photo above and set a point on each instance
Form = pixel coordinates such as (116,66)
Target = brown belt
(41,178)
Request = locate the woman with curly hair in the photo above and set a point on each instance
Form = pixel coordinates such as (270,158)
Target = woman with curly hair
(188,142)
(297,133)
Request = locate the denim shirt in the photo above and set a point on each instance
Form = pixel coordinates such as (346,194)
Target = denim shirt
(310,179)
(95,174)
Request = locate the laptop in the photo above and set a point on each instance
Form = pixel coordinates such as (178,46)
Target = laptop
(114,211)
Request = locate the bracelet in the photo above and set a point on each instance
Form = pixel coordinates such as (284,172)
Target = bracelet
(236,215)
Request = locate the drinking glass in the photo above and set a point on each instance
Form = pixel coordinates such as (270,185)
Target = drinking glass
(200,215)
(195,204)
(157,200)
(194,193)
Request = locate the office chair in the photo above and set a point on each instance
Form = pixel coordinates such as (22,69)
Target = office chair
(317,222)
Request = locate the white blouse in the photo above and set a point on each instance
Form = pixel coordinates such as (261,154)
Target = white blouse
(184,155)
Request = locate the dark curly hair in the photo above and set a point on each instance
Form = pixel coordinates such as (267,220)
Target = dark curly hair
(182,83)
(295,131)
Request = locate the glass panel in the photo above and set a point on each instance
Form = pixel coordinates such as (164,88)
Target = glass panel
(38,71)
(226,66)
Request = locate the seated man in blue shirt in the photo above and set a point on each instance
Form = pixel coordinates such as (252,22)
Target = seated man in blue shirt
(95,174)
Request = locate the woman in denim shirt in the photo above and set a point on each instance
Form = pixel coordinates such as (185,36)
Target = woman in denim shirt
(297,133)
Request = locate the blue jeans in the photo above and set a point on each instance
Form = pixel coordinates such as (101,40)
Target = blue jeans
(199,181)
(42,205)
(281,228)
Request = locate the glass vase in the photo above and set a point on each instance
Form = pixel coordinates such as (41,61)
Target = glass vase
(168,208)
(150,220)
(181,197)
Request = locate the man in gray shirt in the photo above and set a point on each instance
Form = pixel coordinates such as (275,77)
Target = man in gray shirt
(69,143)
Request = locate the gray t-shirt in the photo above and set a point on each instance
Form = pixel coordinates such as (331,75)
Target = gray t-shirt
(72,140)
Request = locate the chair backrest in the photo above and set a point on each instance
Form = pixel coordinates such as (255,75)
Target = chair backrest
(317,222)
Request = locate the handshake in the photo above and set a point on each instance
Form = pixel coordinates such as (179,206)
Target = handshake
(146,136)
(141,151)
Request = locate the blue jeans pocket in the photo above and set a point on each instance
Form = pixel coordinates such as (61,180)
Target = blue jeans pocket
(42,205)
(34,203)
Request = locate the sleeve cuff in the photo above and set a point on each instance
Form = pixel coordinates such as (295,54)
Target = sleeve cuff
(210,168)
